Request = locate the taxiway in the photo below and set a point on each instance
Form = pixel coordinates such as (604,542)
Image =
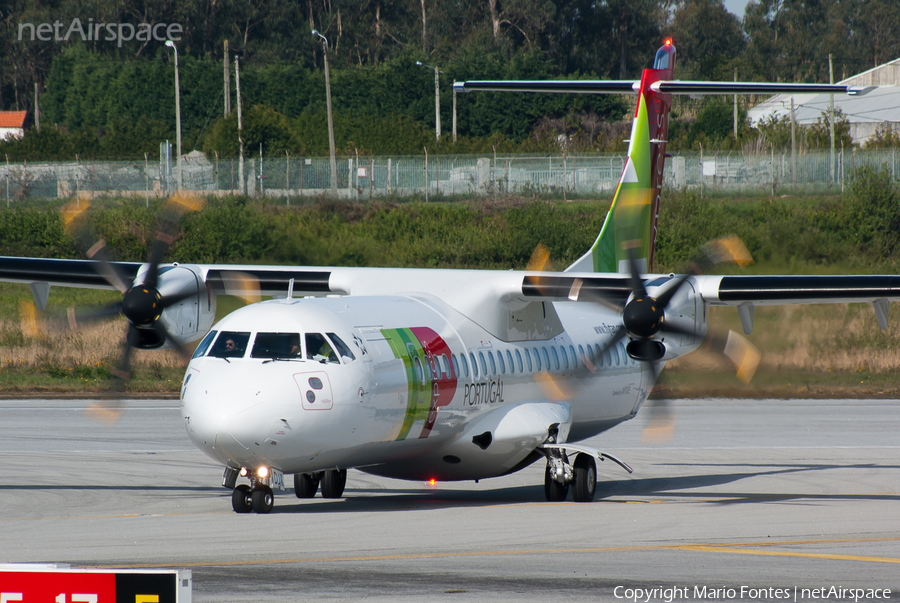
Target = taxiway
(764,494)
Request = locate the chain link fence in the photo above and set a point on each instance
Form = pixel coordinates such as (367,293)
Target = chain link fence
(292,178)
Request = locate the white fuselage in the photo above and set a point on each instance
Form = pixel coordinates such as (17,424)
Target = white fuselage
(424,379)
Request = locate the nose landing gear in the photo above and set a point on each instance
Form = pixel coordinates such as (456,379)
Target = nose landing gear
(259,499)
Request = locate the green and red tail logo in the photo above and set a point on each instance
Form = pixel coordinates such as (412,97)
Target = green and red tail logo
(630,226)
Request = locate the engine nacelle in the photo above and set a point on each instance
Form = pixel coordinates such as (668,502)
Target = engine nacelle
(187,319)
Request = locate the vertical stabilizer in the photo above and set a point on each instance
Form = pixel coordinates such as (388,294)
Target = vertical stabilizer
(630,226)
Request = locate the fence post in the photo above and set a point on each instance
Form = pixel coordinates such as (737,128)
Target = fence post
(287,175)
(147,174)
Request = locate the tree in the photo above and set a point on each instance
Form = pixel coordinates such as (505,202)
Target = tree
(708,38)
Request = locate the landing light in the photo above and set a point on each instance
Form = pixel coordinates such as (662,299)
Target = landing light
(262,472)
(243,472)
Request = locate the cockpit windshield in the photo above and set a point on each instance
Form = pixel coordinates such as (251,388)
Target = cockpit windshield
(230,344)
(276,345)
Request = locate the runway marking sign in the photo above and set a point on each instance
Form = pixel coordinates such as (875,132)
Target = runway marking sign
(24,583)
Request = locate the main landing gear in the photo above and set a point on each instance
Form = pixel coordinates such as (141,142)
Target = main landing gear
(333,481)
(560,475)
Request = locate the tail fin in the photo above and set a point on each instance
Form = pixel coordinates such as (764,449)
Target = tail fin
(630,226)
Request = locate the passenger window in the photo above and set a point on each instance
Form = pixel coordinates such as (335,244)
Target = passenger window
(615,352)
(546,359)
(573,356)
(519,360)
(502,364)
(318,349)
(474,364)
(537,360)
(456,372)
(493,364)
(465,364)
(565,358)
(276,345)
(231,344)
(528,360)
(417,365)
(343,349)
(483,364)
(204,345)
(555,357)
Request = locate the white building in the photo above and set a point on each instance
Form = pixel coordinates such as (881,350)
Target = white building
(865,113)
(12,124)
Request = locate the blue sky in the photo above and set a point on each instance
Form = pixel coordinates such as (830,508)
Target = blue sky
(737,6)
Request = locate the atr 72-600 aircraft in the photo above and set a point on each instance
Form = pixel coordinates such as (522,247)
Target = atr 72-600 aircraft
(442,374)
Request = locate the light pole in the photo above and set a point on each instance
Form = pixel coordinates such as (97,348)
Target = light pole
(330,121)
(437,100)
(171,45)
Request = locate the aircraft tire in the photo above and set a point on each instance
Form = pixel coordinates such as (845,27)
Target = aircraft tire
(306,484)
(262,499)
(553,490)
(240,499)
(585,478)
(333,483)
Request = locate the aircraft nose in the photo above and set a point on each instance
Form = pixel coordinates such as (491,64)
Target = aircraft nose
(228,420)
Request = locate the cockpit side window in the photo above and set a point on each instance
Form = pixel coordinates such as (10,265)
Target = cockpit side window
(319,349)
(204,345)
(230,344)
(276,345)
(342,348)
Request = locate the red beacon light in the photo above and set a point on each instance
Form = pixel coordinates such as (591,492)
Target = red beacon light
(668,41)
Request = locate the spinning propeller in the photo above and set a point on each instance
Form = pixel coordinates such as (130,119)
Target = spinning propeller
(645,324)
(142,303)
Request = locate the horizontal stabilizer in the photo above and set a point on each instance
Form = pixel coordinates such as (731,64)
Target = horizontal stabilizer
(678,87)
(564,86)
(694,88)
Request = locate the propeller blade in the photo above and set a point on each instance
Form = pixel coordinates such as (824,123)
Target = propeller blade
(666,296)
(180,345)
(577,292)
(242,285)
(635,281)
(540,259)
(619,336)
(170,215)
(108,410)
(743,354)
(660,428)
(29,319)
(74,217)
(668,327)
(77,318)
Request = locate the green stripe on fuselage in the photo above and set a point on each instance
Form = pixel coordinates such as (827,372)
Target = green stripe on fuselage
(418,400)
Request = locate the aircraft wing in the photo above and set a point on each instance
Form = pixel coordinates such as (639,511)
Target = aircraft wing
(787,289)
(62,273)
(88,274)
